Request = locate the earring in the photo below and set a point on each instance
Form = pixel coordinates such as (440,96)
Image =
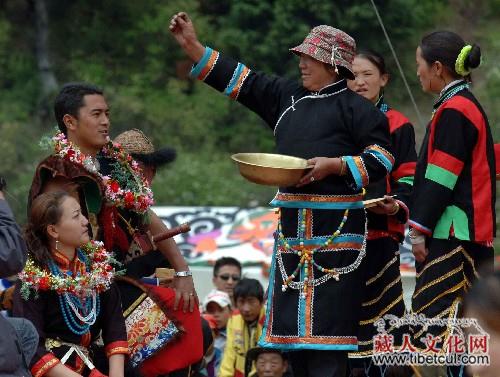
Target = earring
(57,245)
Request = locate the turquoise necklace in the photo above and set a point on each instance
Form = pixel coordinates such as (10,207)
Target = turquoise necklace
(79,313)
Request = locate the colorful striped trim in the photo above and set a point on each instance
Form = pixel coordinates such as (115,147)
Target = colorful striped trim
(420,227)
(334,343)
(446,161)
(42,366)
(386,158)
(321,240)
(406,169)
(358,171)
(286,200)
(407,180)
(120,347)
(239,75)
(288,197)
(203,68)
(441,176)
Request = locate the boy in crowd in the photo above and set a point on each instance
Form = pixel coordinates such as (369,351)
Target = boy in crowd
(217,310)
(244,327)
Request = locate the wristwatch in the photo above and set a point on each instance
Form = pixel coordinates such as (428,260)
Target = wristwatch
(3,183)
(182,274)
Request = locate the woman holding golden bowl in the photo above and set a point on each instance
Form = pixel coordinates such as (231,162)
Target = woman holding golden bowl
(315,281)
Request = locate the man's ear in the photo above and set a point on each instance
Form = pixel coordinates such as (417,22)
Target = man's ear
(70,122)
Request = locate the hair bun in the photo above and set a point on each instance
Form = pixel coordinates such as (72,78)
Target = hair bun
(473,59)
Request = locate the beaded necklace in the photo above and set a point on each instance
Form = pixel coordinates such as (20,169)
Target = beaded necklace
(84,308)
(307,258)
(447,95)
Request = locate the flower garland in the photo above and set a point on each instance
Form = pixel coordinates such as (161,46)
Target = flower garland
(97,279)
(126,187)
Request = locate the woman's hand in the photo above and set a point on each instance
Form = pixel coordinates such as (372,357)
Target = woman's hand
(387,207)
(419,251)
(322,166)
(184,288)
(183,30)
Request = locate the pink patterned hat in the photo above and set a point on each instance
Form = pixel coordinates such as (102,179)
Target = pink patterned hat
(330,46)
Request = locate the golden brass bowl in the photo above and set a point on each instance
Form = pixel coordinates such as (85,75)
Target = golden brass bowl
(271,169)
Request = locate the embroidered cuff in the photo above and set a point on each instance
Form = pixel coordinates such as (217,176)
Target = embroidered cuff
(206,64)
(420,228)
(357,169)
(403,214)
(120,347)
(46,363)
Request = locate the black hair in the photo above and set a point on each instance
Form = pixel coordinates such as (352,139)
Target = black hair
(157,158)
(70,100)
(46,210)
(248,288)
(444,47)
(225,261)
(375,58)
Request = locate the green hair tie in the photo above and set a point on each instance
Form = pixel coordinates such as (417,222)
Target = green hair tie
(460,62)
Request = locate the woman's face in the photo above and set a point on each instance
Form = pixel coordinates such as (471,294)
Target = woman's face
(315,74)
(71,230)
(368,80)
(430,81)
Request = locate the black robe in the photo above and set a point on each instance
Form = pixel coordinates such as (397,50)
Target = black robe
(333,122)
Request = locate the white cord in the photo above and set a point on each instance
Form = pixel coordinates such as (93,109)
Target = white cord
(420,119)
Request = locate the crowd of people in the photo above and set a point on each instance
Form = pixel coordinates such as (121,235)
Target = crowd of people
(90,299)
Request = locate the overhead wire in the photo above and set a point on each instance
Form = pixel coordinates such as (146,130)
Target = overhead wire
(417,111)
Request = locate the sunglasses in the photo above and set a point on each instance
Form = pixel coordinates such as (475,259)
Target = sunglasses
(226,277)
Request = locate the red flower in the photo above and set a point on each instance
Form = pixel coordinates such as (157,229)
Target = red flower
(44,283)
(129,199)
(70,153)
(114,186)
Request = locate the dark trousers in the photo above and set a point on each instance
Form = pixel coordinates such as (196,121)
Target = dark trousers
(314,363)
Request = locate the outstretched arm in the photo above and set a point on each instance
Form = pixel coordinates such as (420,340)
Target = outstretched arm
(183,30)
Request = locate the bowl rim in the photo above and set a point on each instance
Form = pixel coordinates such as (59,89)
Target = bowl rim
(235,158)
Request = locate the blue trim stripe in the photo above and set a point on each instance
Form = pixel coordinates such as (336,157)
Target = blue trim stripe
(307,346)
(270,291)
(354,171)
(196,70)
(387,163)
(302,309)
(318,240)
(316,205)
(234,79)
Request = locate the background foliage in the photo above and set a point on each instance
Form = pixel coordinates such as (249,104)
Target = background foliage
(125,47)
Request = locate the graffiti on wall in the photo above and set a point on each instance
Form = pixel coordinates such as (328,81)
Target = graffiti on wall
(243,233)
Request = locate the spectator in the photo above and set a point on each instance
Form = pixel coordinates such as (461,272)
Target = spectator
(217,307)
(18,338)
(268,362)
(244,328)
(227,273)
(483,303)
